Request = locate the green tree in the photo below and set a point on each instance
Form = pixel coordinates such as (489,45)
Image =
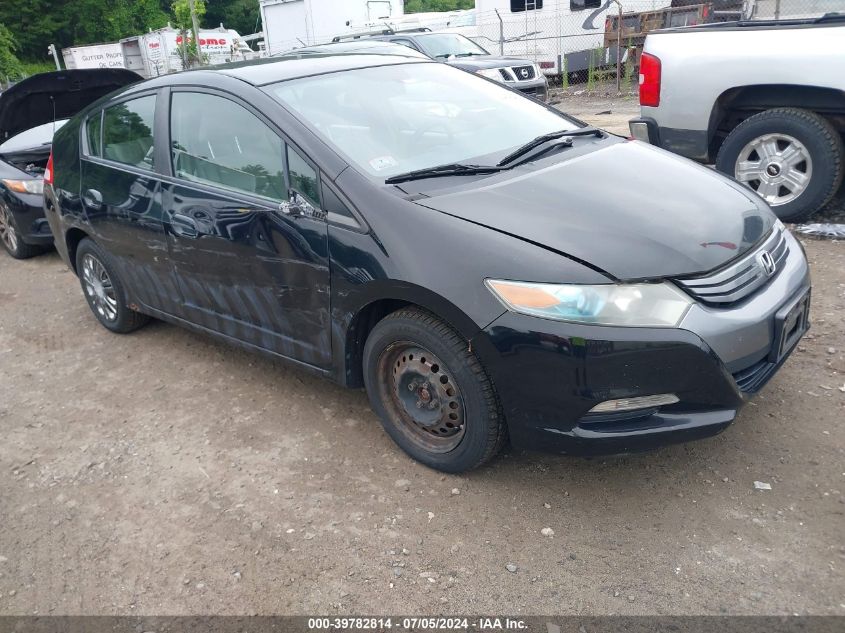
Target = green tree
(419,6)
(182,13)
(10,65)
(241,15)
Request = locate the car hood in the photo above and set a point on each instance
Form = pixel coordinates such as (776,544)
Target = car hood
(478,62)
(626,208)
(56,95)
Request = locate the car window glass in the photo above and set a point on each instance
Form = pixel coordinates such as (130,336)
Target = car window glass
(393,119)
(93,129)
(216,141)
(405,42)
(333,204)
(303,177)
(128,132)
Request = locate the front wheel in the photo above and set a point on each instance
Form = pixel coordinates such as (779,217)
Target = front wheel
(11,239)
(104,290)
(433,396)
(792,158)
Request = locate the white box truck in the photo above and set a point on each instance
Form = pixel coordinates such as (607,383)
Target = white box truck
(107,55)
(289,24)
(160,52)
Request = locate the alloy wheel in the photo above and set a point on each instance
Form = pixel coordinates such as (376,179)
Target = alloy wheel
(421,394)
(777,166)
(8,234)
(99,288)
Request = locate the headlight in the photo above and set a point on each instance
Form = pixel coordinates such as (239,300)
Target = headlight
(631,305)
(34,185)
(490,73)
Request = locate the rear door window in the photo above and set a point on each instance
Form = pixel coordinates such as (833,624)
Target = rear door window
(218,142)
(128,132)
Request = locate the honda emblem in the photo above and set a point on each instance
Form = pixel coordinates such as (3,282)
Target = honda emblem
(767,263)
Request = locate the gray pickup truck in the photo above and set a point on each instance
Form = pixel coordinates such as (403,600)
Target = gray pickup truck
(764,100)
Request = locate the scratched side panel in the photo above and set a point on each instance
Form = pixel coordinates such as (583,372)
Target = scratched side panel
(251,273)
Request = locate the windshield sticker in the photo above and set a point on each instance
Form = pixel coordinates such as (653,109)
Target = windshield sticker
(383,162)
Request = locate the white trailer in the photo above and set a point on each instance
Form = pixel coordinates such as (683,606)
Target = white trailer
(289,24)
(107,55)
(557,34)
(160,52)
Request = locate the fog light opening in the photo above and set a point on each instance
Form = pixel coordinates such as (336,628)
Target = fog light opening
(632,404)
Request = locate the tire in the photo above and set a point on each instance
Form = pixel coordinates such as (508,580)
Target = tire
(773,137)
(10,237)
(104,290)
(433,396)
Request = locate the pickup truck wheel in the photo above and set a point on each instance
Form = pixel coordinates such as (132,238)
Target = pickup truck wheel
(104,291)
(792,158)
(433,396)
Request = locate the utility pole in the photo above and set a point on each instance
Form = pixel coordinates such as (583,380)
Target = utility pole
(52,49)
(618,48)
(501,33)
(196,29)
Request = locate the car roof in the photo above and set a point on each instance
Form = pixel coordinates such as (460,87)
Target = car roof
(368,45)
(269,70)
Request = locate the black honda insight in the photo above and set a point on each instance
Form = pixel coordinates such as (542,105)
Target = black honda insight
(485,266)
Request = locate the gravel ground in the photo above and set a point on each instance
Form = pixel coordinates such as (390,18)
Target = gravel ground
(164,473)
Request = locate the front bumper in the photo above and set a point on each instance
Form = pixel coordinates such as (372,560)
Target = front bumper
(550,374)
(28,211)
(537,88)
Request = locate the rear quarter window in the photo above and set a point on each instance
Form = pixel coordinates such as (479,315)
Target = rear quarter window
(94,134)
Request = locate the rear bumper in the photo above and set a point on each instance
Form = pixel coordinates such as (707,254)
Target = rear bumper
(28,212)
(690,143)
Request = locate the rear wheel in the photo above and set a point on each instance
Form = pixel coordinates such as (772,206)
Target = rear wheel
(792,158)
(11,239)
(104,291)
(433,396)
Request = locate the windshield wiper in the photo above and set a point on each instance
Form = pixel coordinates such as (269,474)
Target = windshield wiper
(453,169)
(545,138)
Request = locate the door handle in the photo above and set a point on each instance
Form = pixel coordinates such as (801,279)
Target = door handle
(92,199)
(184,225)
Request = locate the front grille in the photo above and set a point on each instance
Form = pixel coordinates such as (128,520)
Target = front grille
(752,379)
(523,73)
(740,279)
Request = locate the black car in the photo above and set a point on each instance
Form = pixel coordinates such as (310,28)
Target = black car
(30,112)
(461,52)
(484,265)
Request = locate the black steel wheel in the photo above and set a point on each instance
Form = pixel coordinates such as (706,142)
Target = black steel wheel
(433,396)
(104,291)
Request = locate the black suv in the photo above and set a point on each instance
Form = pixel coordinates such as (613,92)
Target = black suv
(461,52)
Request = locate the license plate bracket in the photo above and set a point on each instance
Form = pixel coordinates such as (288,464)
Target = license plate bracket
(791,322)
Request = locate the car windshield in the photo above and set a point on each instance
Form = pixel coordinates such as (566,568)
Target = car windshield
(33,137)
(394,119)
(448,44)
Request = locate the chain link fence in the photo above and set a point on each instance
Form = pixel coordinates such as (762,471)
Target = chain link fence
(581,42)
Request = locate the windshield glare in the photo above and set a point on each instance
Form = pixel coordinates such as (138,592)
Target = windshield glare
(448,44)
(393,119)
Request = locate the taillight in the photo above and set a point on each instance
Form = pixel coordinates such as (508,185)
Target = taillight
(649,80)
(48,172)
